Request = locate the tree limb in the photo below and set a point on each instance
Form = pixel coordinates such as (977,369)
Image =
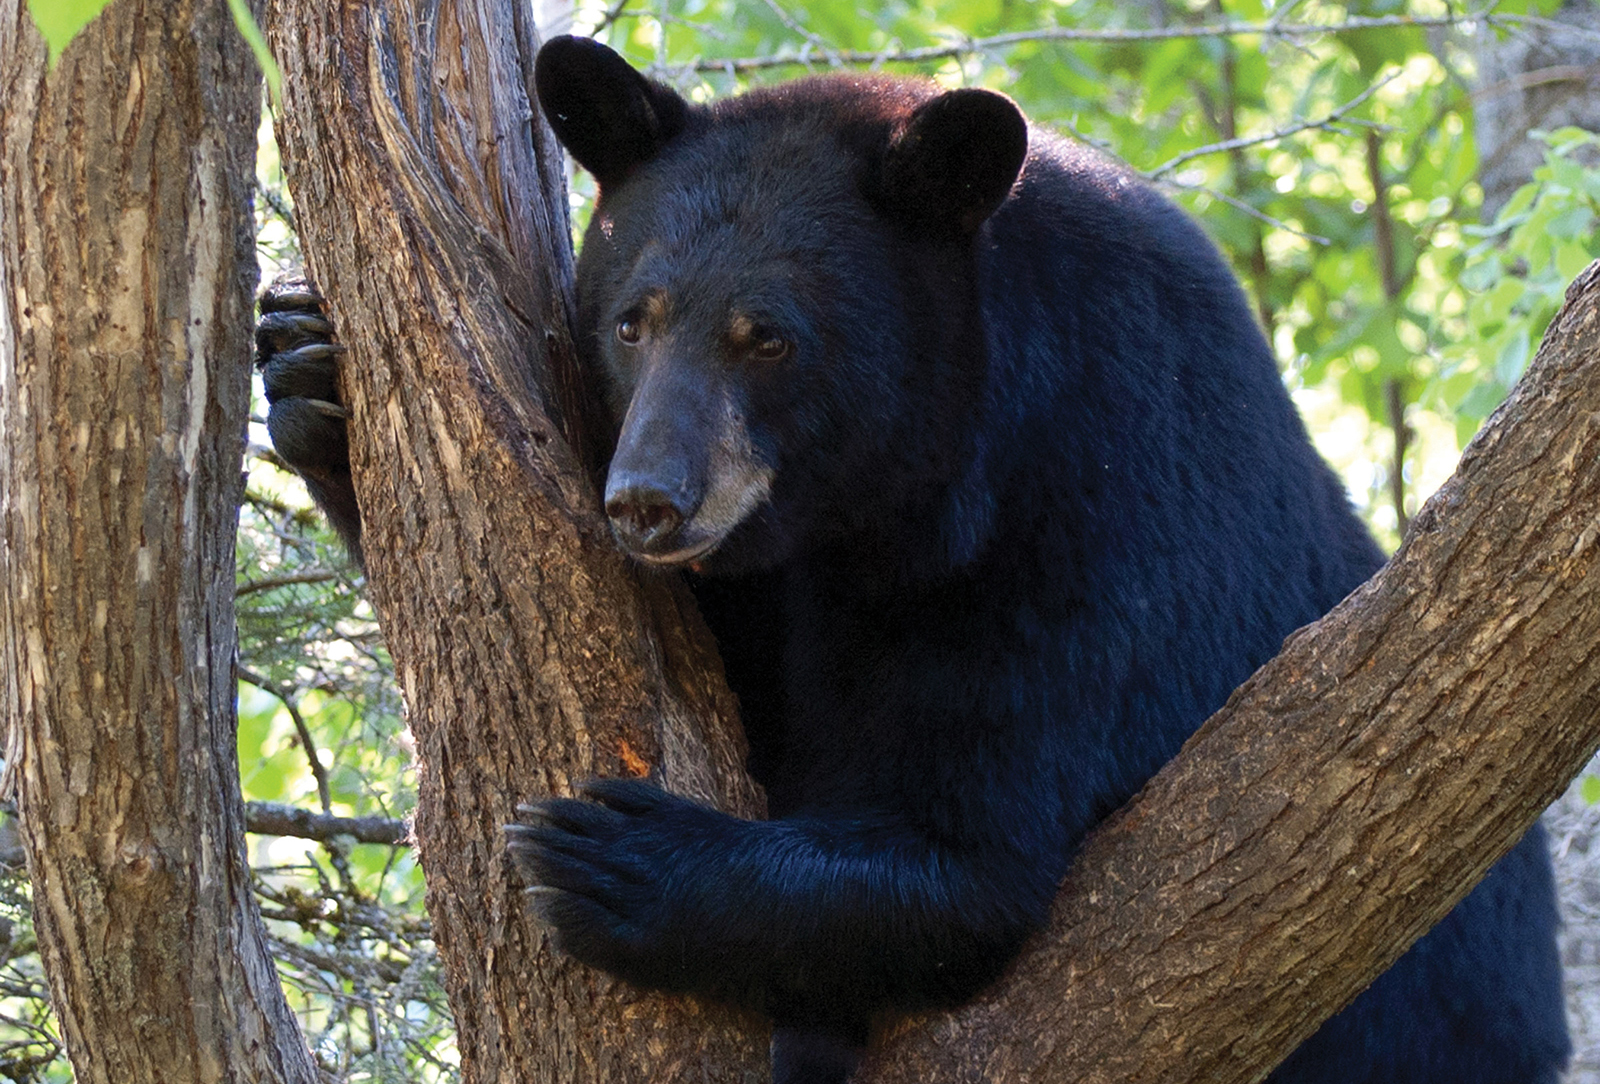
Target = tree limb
(308,744)
(277,819)
(275,582)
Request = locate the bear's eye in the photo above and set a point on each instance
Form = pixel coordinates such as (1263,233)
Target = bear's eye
(771,349)
(628,333)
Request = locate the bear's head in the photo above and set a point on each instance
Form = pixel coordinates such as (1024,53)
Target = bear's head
(780,292)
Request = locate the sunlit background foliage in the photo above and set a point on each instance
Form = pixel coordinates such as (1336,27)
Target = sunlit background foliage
(1339,170)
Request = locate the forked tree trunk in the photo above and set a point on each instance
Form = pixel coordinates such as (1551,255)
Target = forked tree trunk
(1341,803)
(126,272)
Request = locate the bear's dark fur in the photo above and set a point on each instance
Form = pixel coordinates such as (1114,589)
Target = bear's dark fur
(992,493)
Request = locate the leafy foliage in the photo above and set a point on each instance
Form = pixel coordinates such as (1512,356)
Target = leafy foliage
(60,20)
(1515,277)
(320,727)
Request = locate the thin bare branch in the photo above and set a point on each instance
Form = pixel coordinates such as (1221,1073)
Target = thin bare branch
(318,772)
(813,40)
(253,586)
(276,819)
(275,201)
(1282,13)
(1522,82)
(1228,28)
(612,14)
(1334,116)
(1240,205)
(1523,23)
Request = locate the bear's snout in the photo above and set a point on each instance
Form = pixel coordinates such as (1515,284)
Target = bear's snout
(644,517)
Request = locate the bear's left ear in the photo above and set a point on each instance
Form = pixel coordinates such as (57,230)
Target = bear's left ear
(608,116)
(956,159)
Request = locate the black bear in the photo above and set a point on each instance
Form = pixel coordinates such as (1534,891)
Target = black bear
(989,487)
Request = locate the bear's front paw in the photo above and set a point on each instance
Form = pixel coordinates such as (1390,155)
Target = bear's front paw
(602,875)
(299,369)
(298,360)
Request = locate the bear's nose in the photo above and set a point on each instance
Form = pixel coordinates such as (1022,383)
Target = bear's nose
(644,516)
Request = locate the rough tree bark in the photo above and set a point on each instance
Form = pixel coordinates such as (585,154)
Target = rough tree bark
(430,209)
(1283,852)
(127,268)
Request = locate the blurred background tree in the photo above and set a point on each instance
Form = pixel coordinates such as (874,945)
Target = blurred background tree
(1404,189)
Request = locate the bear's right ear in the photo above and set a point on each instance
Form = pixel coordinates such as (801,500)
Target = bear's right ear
(608,116)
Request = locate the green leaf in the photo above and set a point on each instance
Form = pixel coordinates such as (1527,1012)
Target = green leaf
(1591,789)
(1456,387)
(1572,223)
(1519,203)
(1498,302)
(1563,171)
(1563,141)
(1478,405)
(1513,357)
(1481,274)
(60,20)
(1571,260)
(1387,45)
(251,32)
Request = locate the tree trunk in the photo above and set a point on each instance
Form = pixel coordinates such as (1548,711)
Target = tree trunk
(1259,882)
(126,267)
(432,212)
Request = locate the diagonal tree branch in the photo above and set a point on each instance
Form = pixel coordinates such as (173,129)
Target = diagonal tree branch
(308,744)
(1327,120)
